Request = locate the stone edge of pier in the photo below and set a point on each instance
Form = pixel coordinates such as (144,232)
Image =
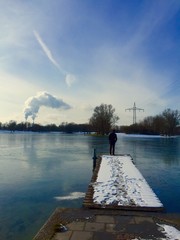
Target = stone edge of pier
(65,216)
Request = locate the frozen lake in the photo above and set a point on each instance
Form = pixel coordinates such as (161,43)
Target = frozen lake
(42,171)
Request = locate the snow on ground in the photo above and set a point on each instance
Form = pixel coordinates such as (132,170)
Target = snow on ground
(119,182)
(170,233)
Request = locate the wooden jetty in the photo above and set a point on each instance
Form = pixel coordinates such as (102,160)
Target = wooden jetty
(117,184)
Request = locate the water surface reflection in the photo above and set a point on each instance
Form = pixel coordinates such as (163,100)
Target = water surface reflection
(35,168)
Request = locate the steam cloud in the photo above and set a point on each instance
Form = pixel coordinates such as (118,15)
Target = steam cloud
(33,104)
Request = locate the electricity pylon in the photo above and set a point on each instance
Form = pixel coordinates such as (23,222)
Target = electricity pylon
(134,108)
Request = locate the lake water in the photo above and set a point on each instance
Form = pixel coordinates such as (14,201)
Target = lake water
(36,168)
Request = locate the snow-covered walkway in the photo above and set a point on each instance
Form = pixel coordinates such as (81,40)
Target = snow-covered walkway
(120,183)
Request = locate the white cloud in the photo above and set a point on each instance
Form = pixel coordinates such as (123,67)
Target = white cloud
(69,78)
(119,69)
(33,104)
(46,50)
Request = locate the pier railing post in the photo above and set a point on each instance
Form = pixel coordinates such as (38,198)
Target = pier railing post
(94,159)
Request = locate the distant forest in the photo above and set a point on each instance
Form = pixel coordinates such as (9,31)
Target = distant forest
(34,127)
(166,123)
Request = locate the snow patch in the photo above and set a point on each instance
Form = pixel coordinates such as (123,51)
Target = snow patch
(119,182)
(71,196)
(169,231)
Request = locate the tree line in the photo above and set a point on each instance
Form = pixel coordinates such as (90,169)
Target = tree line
(34,127)
(166,123)
(103,120)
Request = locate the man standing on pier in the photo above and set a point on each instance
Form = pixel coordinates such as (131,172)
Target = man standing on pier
(112,142)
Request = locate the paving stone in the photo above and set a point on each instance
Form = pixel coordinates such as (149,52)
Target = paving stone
(123,220)
(79,235)
(104,236)
(110,227)
(139,220)
(147,229)
(126,236)
(62,236)
(107,225)
(76,226)
(105,219)
(94,226)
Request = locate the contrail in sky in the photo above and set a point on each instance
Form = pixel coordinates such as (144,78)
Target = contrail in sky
(69,78)
(46,50)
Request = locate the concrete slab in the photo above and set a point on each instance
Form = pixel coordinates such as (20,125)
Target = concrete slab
(110,227)
(141,219)
(104,236)
(124,220)
(146,230)
(94,226)
(76,226)
(105,219)
(62,236)
(106,224)
(78,235)
(125,236)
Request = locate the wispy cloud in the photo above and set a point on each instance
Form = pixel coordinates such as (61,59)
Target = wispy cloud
(46,50)
(69,78)
(129,56)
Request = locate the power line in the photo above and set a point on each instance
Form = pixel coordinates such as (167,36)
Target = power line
(134,108)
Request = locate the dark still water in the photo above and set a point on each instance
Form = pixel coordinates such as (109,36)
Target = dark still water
(37,169)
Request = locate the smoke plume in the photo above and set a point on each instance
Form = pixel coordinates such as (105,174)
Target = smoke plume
(33,104)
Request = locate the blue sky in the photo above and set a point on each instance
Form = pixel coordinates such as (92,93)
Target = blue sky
(88,52)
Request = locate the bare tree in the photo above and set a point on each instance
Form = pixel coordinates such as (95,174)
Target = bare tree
(103,119)
(172,119)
